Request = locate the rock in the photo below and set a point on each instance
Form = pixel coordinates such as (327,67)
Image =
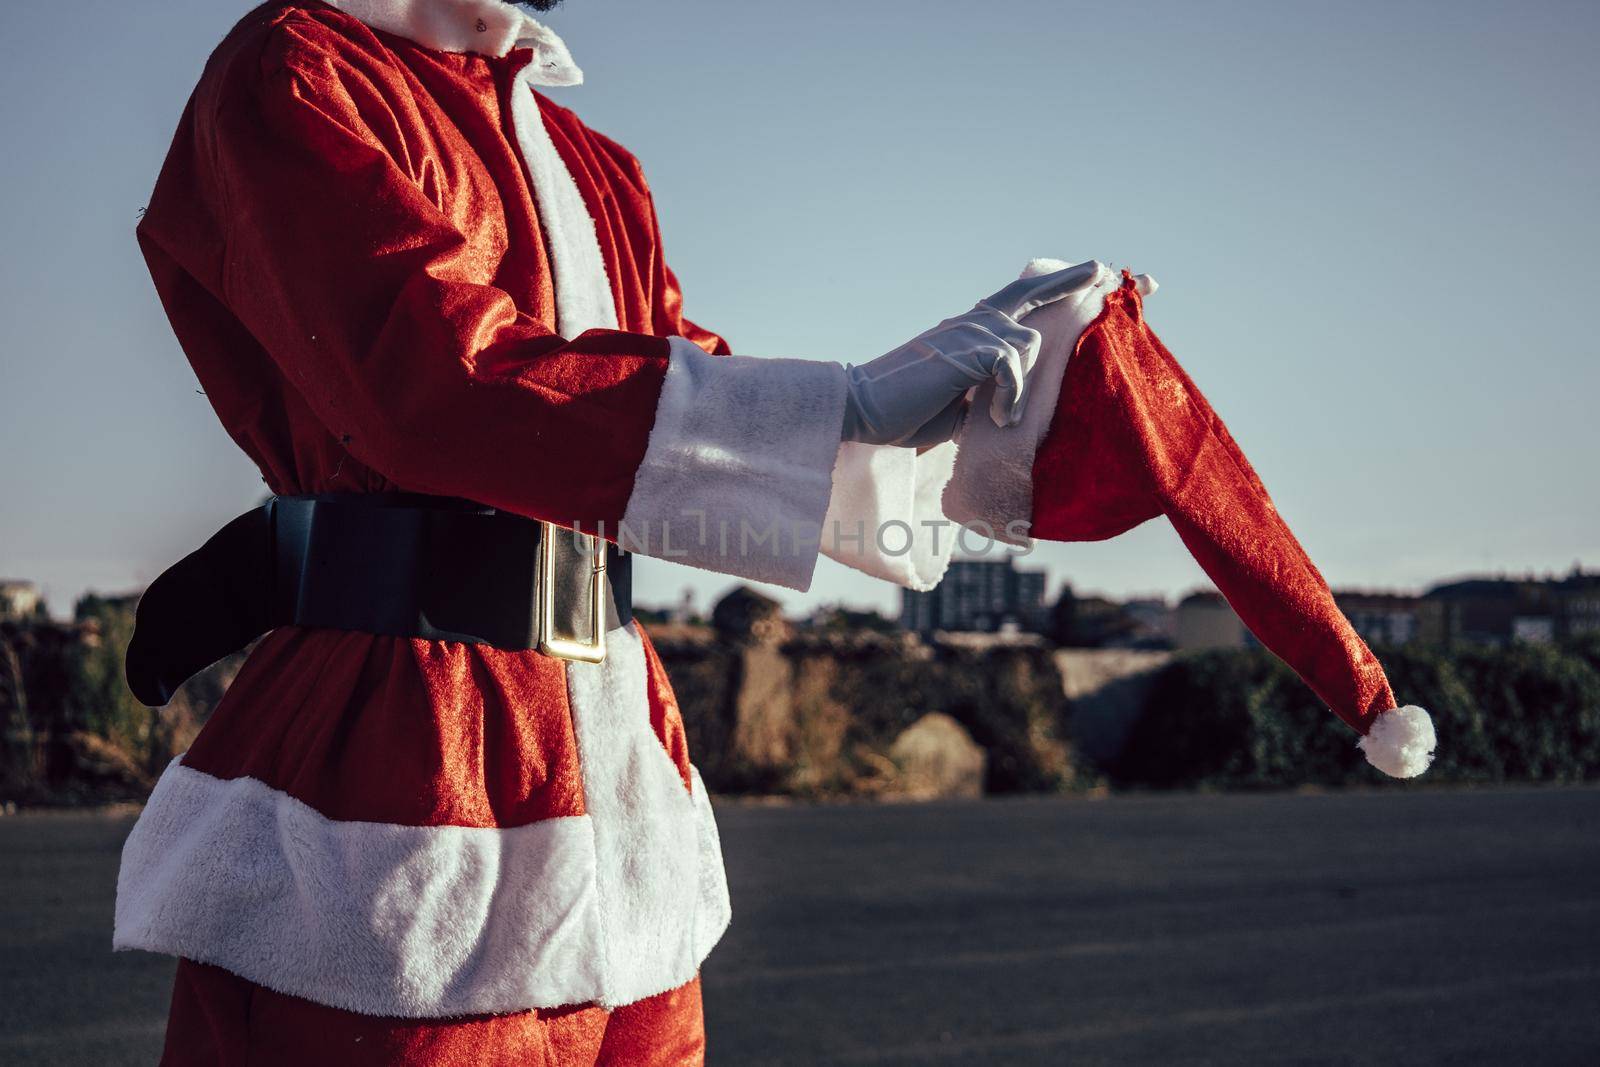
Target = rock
(821,724)
(817,714)
(746,617)
(764,727)
(936,757)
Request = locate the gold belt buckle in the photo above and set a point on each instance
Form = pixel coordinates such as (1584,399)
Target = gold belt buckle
(592,650)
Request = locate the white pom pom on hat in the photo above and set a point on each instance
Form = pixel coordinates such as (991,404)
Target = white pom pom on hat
(1400,742)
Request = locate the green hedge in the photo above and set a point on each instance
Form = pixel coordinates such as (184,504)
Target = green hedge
(1242,719)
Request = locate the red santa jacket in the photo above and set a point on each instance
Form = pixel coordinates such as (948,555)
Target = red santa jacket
(348,242)
(395,265)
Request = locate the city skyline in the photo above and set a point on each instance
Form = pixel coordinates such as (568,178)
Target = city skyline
(702,595)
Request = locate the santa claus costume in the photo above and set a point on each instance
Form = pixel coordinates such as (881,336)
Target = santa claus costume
(400,271)
(373,237)
(396,267)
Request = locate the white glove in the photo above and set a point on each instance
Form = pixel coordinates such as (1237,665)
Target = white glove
(917,394)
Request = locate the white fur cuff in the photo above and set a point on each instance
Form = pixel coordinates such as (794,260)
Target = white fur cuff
(739,467)
(884,518)
(1400,742)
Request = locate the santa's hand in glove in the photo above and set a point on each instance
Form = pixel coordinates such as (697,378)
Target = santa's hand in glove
(916,395)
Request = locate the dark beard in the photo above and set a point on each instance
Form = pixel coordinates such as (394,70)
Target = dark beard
(540,5)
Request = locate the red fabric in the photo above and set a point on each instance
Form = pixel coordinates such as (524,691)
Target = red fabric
(1133,438)
(395,730)
(413,732)
(665,718)
(349,251)
(221,1020)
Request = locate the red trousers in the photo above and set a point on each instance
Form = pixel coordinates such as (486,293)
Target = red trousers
(221,1020)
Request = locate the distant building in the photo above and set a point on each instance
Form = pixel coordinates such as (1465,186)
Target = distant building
(1152,619)
(1382,618)
(1533,629)
(1500,611)
(1577,598)
(1093,622)
(1204,620)
(1477,611)
(1099,622)
(992,596)
(19,599)
(984,595)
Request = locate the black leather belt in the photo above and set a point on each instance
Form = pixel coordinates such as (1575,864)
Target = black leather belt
(399,564)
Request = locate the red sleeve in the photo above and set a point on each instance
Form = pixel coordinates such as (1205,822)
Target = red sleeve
(378,310)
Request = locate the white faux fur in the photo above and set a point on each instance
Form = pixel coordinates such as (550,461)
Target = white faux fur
(884,515)
(487,27)
(738,470)
(1400,742)
(584,300)
(658,914)
(429,922)
(993,478)
(406,921)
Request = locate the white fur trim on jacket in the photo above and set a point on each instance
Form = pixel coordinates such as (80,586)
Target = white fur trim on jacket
(738,469)
(658,914)
(584,300)
(487,27)
(884,517)
(1400,742)
(993,479)
(437,921)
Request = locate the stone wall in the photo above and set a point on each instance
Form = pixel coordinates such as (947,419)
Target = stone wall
(866,714)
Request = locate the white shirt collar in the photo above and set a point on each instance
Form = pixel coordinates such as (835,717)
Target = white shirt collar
(488,27)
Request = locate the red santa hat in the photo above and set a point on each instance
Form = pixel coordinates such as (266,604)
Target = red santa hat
(1115,433)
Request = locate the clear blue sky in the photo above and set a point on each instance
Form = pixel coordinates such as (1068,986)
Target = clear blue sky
(1374,224)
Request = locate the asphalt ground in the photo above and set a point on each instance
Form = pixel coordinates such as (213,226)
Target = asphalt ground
(1384,927)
